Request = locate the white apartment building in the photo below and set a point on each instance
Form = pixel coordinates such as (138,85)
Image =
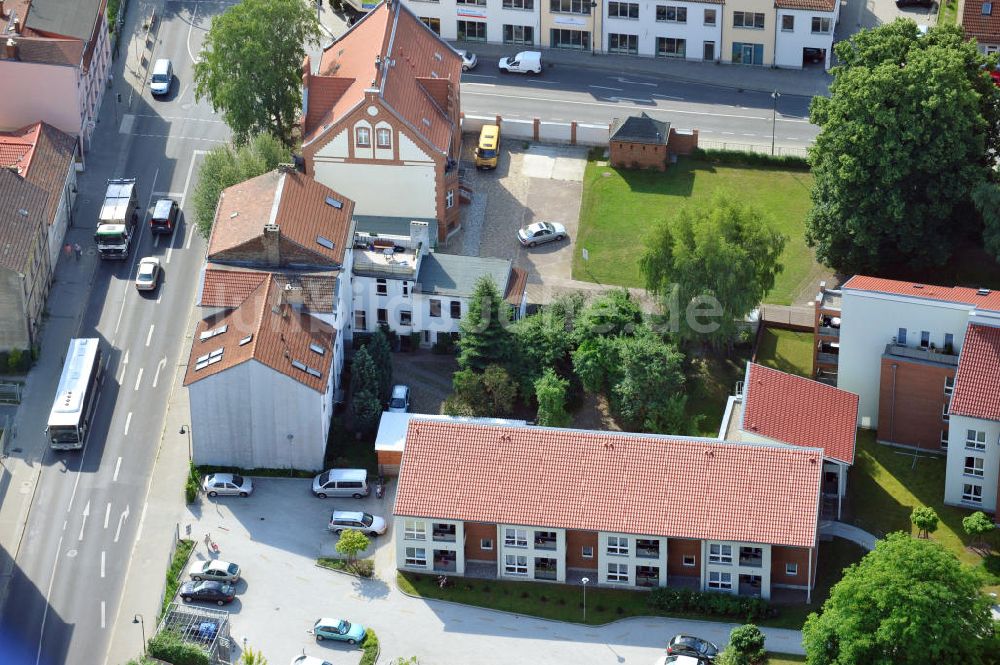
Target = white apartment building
(805,32)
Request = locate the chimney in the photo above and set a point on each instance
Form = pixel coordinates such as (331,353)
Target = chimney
(17,25)
(10,49)
(294,296)
(420,235)
(272,242)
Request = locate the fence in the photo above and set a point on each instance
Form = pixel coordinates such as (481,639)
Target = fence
(789,317)
(10,393)
(779,150)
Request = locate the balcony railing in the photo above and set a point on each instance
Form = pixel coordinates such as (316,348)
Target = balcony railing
(922,353)
(827,359)
(751,561)
(829,331)
(647,552)
(443,536)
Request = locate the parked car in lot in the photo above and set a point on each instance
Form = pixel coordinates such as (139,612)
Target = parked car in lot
(541,232)
(309,660)
(215,570)
(370,525)
(679,660)
(338,629)
(227,483)
(400,400)
(469,60)
(341,482)
(148,275)
(219,593)
(688,645)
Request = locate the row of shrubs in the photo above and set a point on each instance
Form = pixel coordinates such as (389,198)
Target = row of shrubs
(169,646)
(17,361)
(724,605)
(751,159)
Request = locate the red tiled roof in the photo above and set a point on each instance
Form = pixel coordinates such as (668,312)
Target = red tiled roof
(956,294)
(801,412)
(604,481)
(278,335)
(977,382)
(228,288)
(43,155)
(984,27)
(818,5)
(301,213)
(415,85)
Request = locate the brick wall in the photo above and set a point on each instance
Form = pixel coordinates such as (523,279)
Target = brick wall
(475,532)
(785,555)
(912,416)
(575,542)
(677,549)
(638,155)
(388,460)
(683,142)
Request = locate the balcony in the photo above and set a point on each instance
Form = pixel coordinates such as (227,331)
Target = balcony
(445,561)
(545,540)
(926,354)
(443,533)
(830,359)
(647,549)
(647,576)
(828,331)
(545,569)
(752,559)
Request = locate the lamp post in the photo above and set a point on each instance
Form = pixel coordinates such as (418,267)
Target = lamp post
(186,429)
(774,116)
(142,626)
(585,581)
(593,22)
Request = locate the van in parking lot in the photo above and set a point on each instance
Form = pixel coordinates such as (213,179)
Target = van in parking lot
(488,148)
(341,482)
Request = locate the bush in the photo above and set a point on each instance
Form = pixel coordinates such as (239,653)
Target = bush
(193,485)
(181,555)
(18,361)
(444,345)
(369,648)
(169,646)
(668,599)
(739,158)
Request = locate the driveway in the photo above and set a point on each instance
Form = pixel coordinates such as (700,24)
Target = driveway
(428,375)
(276,536)
(858,14)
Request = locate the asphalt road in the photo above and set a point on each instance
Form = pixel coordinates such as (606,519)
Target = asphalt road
(70,570)
(597,96)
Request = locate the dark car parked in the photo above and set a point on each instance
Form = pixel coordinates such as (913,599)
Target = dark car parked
(914,3)
(687,645)
(213,592)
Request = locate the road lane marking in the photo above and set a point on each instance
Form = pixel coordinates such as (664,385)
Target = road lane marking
(187,42)
(629,99)
(188,228)
(107,513)
(178,117)
(182,138)
(65,522)
(604,87)
(128,421)
(149,335)
(121,521)
(138,241)
(622,79)
(124,363)
(160,365)
(118,467)
(86,514)
(102,612)
(170,250)
(138,380)
(48,604)
(156,241)
(656,94)
(103,553)
(142,521)
(76,483)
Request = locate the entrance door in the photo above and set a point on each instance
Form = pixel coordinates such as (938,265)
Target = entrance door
(747,54)
(709,53)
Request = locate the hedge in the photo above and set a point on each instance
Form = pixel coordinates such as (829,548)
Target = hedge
(169,646)
(744,608)
(370,649)
(739,157)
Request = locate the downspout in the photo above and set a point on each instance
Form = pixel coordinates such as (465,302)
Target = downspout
(892,406)
(774,47)
(840,485)
(809,585)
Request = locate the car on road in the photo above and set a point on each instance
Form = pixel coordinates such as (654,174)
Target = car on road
(469,60)
(370,525)
(148,276)
(215,570)
(914,3)
(541,232)
(688,645)
(309,660)
(340,630)
(163,76)
(400,400)
(227,483)
(219,593)
(525,62)
(164,218)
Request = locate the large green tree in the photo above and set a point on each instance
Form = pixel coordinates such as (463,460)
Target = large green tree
(486,338)
(550,393)
(250,65)
(904,138)
(545,340)
(365,403)
(909,602)
(712,265)
(226,166)
(378,349)
(986,197)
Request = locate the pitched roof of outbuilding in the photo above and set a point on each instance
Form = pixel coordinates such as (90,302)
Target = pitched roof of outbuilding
(640,129)
(978,23)
(605,481)
(977,382)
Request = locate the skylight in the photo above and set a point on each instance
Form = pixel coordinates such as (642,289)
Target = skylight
(209,334)
(330,201)
(316,348)
(246,340)
(313,372)
(298,364)
(987,8)
(324,242)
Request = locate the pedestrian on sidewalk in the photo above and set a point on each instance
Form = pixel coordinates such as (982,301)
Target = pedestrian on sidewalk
(67,250)
(78,250)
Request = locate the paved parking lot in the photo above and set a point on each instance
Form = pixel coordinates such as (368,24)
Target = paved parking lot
(428,375)
(858,14)
(276,535)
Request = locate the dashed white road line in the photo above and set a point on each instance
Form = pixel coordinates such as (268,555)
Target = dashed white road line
(182,138)
(149,335)
(103,625)
(128,421)
(138,379)
(107,513)
(604,87)
(103,553)
(118,467)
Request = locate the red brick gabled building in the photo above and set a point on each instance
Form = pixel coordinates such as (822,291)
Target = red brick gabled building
(381,119)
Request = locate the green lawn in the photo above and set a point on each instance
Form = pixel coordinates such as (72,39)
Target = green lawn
(948,12)
(887,483)
(786,350)
(621,207)
(711,379)
(784,659)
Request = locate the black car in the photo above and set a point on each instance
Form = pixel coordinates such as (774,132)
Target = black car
(914,3)
(164,218)
(687,645)
(213,592)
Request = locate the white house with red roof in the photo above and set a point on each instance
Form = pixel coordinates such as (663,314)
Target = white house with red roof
(777,408)
(628,510)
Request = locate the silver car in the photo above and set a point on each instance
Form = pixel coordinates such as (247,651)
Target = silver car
(148,275)
(215,570)
(227,483)
(541,232)
(370,525)
(469,60)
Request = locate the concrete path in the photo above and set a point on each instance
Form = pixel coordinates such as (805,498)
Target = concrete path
(848,532)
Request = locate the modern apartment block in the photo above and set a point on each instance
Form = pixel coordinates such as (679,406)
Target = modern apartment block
(626,510)
(782,33)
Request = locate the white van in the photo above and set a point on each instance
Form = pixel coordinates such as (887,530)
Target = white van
(163,76)
(525,62)
(341,482)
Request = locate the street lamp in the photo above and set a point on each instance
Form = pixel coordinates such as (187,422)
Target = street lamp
(774,116)
(585,581)
(186,429)
(593,22)
(142,626)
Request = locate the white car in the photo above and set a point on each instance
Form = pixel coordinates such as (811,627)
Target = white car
(227,483)
(309,660)
(541,232)
(149,274)
(400,400)
(215,570)
(469,60)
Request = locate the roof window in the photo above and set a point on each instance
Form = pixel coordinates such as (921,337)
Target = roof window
(323,241)
(246,340)
(316,348)
(987,8)
(983,292)
(313,372)
(298,364)
(330,201)
(209,334)
(208,359)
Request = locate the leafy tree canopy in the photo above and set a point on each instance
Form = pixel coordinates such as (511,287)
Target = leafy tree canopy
(986,197)
(550,392)
(904,139)
(250,65)
(365,404)
(925,519)
(378,349)
(909,602)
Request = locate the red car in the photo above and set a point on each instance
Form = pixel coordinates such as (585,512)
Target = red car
(995,75)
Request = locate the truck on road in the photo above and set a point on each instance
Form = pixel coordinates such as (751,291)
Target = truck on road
(118,220)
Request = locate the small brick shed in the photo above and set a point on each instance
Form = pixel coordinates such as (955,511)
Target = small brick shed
(642,142)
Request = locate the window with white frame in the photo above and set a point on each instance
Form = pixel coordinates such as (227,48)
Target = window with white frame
(901,337)
(945,416)
(671,14)
(791,569)
(519,4)
(972,493)
(485,543)
(689,561)
(618,545)
(788,23)
(618,572)
(587,552)
(414,530)
(975,439)
(671,47)
(717,580)
(623,10)
(416,556)
(973,466)
(718,553)
(710,17)
(381,287)
(623,44)
(362,137)
(515,537)
(949,385)
(405,317)
(570,6)
(449,199)
(944,438)
(383,138)
(820,25)
(515,564)
(748,20)
(435,308)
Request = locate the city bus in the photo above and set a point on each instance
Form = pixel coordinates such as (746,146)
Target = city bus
(76,397)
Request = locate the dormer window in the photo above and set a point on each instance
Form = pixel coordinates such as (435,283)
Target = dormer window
(362,137)
(383,138)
